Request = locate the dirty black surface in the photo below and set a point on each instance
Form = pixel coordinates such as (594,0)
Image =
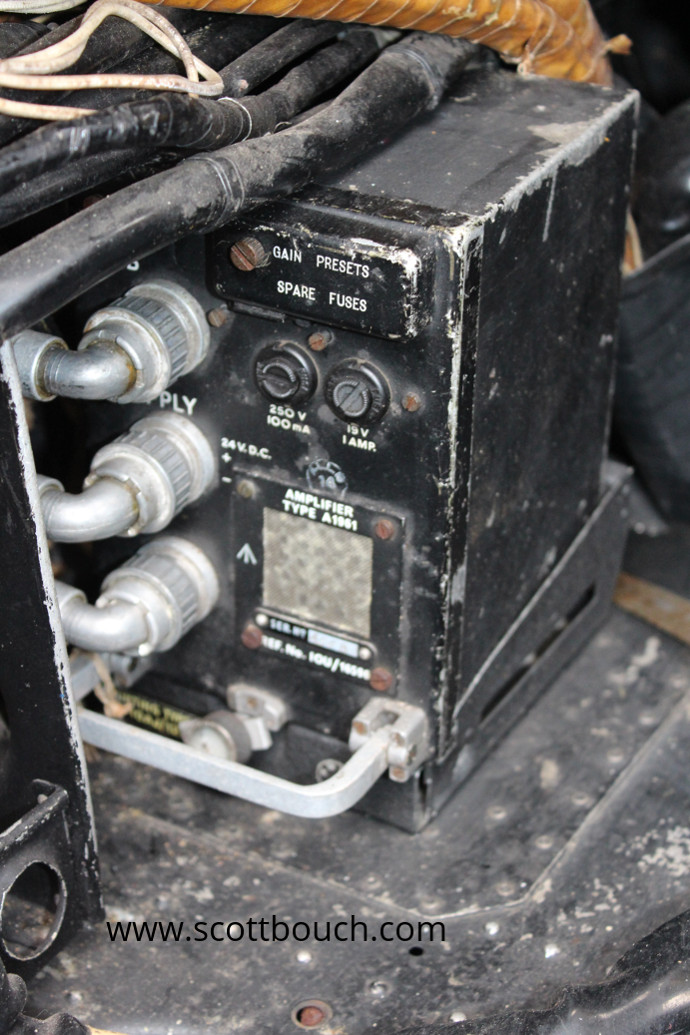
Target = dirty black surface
(569,845)
(45,822)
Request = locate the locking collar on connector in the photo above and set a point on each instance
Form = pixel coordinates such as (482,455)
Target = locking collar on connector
(167,463)
(131,351)
(174,583)
(146,605)
(162,329)
(138,483)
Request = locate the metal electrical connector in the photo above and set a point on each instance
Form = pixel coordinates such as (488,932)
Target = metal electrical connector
(138,483)
(146,605)
(130,352)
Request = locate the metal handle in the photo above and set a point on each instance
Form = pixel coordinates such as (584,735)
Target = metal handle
(316,801)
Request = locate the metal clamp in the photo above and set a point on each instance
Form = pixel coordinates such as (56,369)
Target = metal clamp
(405,726)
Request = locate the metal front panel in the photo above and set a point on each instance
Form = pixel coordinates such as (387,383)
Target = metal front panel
(319,602)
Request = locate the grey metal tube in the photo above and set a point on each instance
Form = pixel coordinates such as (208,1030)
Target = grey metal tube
(106,508)
(103,371)
(119,626)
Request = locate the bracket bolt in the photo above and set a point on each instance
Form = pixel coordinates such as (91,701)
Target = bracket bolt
(381,679)
(252,637)
(384,529)
(218,316)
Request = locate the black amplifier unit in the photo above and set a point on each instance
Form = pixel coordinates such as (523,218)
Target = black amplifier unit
(408,396)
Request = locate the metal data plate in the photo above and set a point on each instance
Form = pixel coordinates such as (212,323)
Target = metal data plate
(315,578)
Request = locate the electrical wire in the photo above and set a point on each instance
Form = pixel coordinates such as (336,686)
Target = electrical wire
(208,191)
(559,38)
(14,36)
(37,71)
(217,42)
(86,175)
(175,121)
(270,56)
(115,42)
(218,38)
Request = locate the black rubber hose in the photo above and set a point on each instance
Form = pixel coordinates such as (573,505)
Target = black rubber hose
(42,191)
(179,121)
(14,36)
(652,403)
(307,82)
(209,190)
(169,120)
(62,184)
(215,38)
(275,53)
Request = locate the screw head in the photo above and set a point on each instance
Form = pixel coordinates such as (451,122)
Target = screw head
(218,316)
(326,768)
(384,529)
(378,988)
(252,636)
(381,679)
(245,489)
(411,402)
(248,254)
(318,340)
(311,1016)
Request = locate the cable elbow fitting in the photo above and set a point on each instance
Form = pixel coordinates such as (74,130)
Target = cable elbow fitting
(106,372)
(146,605)
(104,509)
(131,351)
(138,483)
(109,627)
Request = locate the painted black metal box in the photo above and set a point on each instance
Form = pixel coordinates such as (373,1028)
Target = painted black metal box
(409,391)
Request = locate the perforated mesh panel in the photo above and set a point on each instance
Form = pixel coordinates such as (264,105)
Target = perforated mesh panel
(317,572)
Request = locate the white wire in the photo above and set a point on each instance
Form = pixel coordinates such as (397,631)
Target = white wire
(66,51)
(37,71)
(37,6)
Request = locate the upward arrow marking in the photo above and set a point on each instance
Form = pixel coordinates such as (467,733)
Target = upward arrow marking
(246,554)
